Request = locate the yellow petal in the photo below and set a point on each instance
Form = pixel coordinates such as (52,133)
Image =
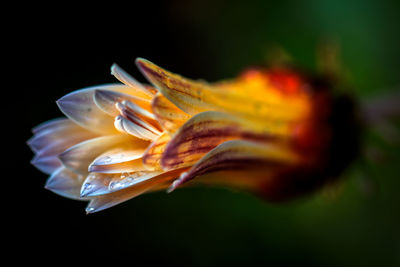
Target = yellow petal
(239,154)
(153,154)
(195,96)
(184,93)
(167,114)
(206,130)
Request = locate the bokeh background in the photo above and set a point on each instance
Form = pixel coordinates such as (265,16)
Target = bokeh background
(62,47)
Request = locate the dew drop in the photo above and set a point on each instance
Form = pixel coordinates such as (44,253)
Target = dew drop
(87,186)
(107,159)
(124,175)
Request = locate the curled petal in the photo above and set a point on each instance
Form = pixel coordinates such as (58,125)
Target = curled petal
(134,125)
(65,183)
(106,201)
(205,131)
(106,100)
(239,154)
(136,109)
(167,114)
(125,78)
(78,157)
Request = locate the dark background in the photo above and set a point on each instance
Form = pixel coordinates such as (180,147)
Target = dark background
(57,48)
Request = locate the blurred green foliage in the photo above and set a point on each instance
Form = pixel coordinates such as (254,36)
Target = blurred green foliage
(356,223)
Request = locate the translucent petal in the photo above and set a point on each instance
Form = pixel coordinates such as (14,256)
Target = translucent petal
(65,183)
(79,157)
(238,154)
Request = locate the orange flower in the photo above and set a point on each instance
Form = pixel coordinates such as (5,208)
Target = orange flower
(269,131)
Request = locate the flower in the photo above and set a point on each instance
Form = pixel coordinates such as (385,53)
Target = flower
(274,132)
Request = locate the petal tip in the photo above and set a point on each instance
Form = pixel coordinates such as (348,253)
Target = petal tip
(178,182)
(90,210)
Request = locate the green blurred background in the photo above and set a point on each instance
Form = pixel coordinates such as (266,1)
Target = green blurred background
(66,47)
